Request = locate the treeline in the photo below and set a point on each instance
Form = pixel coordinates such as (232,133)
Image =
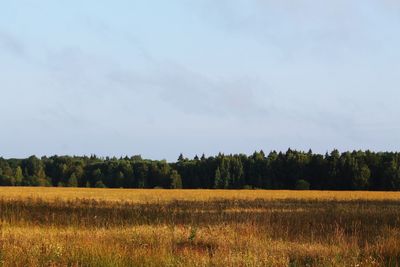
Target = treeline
(357,170)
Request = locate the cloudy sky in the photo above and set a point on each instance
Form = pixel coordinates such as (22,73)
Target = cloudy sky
(158,78)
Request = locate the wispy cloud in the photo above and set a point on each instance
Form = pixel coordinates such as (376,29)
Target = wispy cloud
(11,44)
(195,93)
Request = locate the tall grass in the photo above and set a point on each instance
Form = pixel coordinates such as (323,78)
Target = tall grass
(222,230)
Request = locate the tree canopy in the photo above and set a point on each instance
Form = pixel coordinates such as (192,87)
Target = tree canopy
(356,170)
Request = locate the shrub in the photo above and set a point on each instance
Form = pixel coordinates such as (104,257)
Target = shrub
(302,185)
(99,184)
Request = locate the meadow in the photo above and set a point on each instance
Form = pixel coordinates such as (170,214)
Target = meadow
(124,227)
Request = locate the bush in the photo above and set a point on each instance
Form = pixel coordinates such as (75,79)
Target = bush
(6,180)
(302,185)
(99,184)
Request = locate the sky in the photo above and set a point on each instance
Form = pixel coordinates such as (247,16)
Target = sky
(160,78)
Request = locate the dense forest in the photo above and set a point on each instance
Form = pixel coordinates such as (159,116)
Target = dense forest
(357,170)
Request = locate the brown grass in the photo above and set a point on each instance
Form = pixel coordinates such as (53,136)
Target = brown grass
(101,227)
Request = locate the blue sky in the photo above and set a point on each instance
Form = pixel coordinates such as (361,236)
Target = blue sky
(159,78)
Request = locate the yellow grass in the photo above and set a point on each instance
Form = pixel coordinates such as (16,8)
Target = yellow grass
(115,227)
(160,195)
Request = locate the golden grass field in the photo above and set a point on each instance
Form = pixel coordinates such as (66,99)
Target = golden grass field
(122,227)
(156,195)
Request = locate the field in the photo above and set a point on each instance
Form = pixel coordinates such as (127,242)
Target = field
(115,227)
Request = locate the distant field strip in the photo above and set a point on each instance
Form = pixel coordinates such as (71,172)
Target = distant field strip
(157,195)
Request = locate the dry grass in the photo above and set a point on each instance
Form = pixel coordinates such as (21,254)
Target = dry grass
(102,227)
(159,195)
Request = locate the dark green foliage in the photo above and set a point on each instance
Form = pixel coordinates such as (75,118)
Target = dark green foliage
(99,184)
(357,170)
(6,180)
(302,185)
(219,183)
(73,181)
(176,180)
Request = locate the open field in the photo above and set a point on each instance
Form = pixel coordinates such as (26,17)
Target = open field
(112,227)
(160,195)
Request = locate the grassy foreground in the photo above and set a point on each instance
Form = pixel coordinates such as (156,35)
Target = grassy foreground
(108,227)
